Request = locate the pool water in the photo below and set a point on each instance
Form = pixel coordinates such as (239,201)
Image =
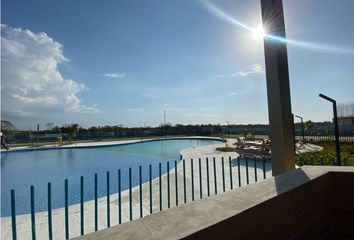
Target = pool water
(21,169)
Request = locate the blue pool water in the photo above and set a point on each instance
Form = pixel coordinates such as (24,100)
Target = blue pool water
(20,170)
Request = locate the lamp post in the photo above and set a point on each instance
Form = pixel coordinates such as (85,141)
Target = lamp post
(228,128)
(302,127)
(164,124)
(335,121)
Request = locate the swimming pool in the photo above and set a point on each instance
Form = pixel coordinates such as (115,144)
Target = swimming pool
(21,169)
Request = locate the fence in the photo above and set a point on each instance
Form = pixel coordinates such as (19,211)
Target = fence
(326,136)
(346,135)
(18,137)
(184,183)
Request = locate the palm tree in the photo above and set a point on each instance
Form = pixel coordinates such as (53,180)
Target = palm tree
(71,129)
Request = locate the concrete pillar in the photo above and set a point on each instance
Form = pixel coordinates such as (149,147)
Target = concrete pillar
(278,88)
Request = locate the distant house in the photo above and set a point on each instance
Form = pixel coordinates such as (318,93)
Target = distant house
(346,115)
(344,121)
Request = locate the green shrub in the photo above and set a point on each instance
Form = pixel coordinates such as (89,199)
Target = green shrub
(225,149)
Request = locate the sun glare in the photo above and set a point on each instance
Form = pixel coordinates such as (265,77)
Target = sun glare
(258,32)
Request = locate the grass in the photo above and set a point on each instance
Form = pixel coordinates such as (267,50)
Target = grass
(328,155)
(225,149)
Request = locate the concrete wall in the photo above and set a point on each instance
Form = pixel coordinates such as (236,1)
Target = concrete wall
(322,208)
(307,203)
(342,205)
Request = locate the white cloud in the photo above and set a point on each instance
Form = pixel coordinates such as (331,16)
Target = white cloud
(196,114)
(255,69)
(31,81)
(150,96)
(133,109)
(114,75)
(19,113)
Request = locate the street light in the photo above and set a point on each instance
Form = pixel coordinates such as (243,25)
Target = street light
(228,128)
(302,127)
(335,121)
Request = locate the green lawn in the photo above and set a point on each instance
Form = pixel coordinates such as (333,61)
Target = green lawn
(328,154)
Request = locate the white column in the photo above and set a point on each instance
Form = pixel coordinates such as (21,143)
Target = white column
(278,89)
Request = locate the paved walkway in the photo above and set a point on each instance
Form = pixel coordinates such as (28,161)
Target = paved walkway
(205,153)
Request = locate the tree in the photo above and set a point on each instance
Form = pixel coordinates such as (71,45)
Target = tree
(71,129)
(49,125)
(248,135)
(309,125)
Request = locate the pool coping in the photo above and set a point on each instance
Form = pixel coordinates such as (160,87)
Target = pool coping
(104,144)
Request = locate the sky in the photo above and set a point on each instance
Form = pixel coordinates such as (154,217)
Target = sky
(110,62)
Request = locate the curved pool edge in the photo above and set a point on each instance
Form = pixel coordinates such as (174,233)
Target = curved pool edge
(135,188)
(105,144)
(124,193)
(118,143)
(207,151)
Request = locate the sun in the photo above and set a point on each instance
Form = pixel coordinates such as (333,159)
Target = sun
(258,32)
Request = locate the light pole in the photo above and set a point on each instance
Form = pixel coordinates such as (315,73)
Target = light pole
(302,127)
(164,123)
(335,121)
(228,128)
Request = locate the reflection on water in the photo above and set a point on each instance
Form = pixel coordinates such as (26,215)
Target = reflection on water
(70,157)
(167,148)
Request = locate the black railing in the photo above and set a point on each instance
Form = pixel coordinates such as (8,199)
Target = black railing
(325,136)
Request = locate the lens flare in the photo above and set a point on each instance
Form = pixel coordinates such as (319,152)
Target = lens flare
(260,33)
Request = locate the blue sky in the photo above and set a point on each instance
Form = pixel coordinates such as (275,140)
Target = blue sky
(124,62)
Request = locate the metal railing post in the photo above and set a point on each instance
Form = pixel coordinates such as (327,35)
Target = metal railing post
(140,192)
(239,171)
(160,186)
(130,195)
(247,174)
(96,203)
(108,202)
(176,183)
(223,174)
(66,195)
(200,179)
(207,171)
(231,180)
(168,185)
(255,169)
(264,168)
(13,215)
(192,179)
(119,197)
(33,214)
(150,187)
(82,219)
(49,198)
(215,180)
(184,181)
